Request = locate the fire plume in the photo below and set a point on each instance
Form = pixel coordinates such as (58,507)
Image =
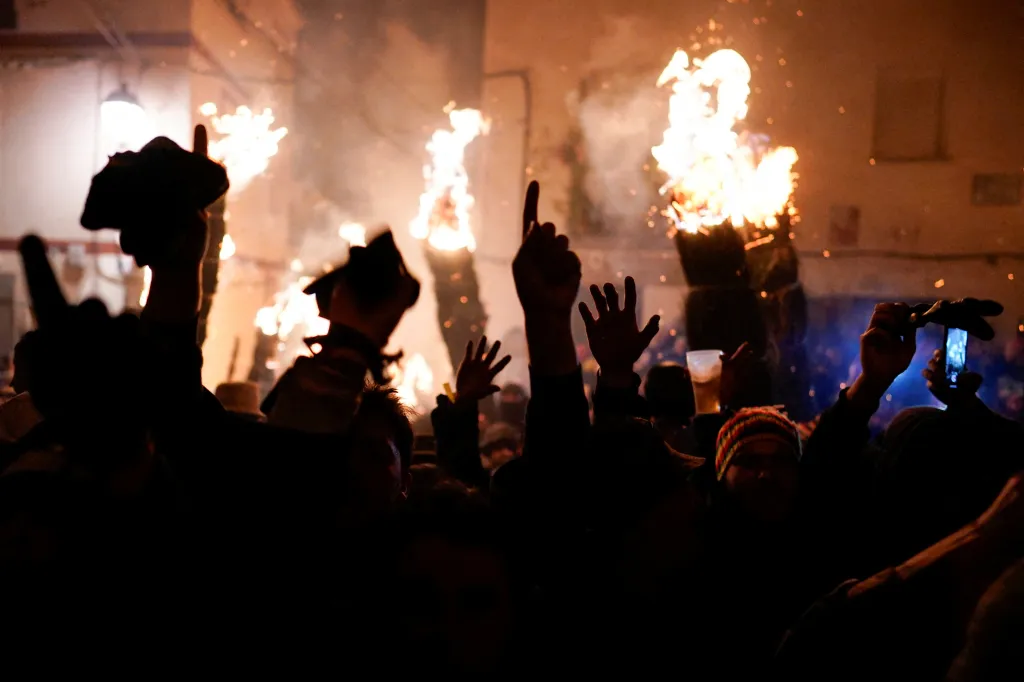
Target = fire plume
(444,213)
(353,233)
(413,380)
(292,311)
(247,142)
(717,174)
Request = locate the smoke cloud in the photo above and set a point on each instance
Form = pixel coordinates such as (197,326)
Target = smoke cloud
(621,116)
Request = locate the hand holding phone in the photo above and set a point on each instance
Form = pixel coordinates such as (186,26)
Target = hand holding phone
(955,355)
(948,377)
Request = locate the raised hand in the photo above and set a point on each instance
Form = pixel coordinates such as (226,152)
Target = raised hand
(886,349)
(966,313)
(547,274)
(737,373)
(964,393)
(200,141)
(194,239)
(182,248)
(80,346)
(615,338)
(49,307)
(475,378)
(889,344)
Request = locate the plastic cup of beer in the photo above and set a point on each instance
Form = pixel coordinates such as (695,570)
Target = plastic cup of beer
(706,374)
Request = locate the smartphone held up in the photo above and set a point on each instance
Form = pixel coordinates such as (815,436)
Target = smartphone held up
(956,355)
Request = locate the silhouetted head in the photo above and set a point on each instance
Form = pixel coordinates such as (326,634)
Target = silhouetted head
(669,392)
(24,357)
(512,402)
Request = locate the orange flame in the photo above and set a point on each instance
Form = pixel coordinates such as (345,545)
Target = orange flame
(443,218)
(292,312)
(413,379)
(247,142)
(716,174)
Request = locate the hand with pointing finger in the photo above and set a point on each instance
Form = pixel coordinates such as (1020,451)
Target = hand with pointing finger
(547,274)
(475,378)
(959,396)
(152,195)
(547,278)
(615,338)
(193,241)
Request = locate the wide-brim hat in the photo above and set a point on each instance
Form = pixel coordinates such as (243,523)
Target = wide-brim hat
(379,258)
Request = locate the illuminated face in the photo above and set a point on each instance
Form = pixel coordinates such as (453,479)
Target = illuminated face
(763,477)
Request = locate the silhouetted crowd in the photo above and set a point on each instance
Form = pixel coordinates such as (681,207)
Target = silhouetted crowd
(147,525)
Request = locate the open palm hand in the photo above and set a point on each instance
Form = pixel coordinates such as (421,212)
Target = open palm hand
(615,338)
(475,378)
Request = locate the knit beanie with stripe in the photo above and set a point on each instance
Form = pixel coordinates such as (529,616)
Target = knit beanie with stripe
(750,424)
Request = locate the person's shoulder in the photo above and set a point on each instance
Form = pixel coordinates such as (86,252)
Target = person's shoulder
(267,435)
(18,416)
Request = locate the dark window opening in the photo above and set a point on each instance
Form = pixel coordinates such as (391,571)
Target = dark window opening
(999,189)
(909,117)
(8,15)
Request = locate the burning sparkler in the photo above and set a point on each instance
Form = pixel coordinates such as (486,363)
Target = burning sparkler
(353,233)
(443,223)
(247,142)
(244,142)
(717,174)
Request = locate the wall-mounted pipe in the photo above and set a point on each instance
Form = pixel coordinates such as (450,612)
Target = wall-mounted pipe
(523,75)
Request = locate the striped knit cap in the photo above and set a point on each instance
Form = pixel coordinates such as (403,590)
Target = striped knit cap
(749,424)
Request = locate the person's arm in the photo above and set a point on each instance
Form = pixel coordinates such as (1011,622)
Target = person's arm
(547,278)
(617,342)
(457,423)
(908,622)
(839,438)
(457,431)
(886,349)
(619,397)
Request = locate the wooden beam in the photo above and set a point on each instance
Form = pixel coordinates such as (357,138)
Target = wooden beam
(26,40)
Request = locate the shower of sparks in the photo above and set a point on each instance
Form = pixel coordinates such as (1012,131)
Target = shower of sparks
(246,144)
(716,174)
(353,233)
(227,247)
(443,218)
